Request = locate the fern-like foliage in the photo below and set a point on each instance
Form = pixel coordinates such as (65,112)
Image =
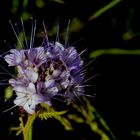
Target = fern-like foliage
(47,112)
(19,128)
(92,118)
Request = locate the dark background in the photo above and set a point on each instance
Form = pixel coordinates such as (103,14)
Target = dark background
(117,86)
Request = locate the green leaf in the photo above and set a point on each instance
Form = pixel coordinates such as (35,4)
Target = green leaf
(15,4)
(76,25)
(136,133)
(40,3)
(25,16)
(25,3)
(128,35)
(76,118)
(20,41)
(59,1)
(65,122)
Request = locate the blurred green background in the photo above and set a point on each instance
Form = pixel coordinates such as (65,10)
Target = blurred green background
(110,32)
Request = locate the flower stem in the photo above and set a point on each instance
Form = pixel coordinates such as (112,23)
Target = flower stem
(27,131)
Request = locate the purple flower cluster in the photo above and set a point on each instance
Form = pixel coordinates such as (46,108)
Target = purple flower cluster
(44,73)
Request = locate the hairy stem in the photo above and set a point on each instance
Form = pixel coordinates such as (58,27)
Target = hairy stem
(27,131)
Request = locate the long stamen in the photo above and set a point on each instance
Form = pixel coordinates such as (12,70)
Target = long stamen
(25,38)
(32,29)
(67,34)
(76,42)
(83,86)
(91,78)
(46,35)
(57,33)
(4,80)
(8,45)
(15,33)
(18,32)
(58,99)
(7,71)
(1,56)
(13,107)
(9,109)
(77,97)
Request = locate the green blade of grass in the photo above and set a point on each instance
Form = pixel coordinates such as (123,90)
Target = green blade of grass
(114,51)
(104,9)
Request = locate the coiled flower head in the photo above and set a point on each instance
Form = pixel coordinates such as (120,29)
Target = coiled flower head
(45,72)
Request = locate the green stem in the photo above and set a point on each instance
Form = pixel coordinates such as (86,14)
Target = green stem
(27,131)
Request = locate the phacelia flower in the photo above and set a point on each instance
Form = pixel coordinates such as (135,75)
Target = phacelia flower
(49,71)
